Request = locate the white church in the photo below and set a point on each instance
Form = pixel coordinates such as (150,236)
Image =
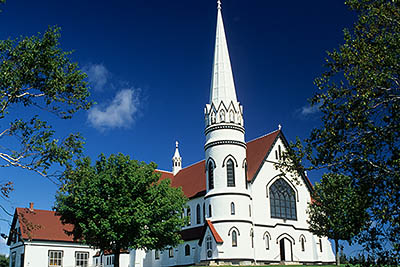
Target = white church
(241,209)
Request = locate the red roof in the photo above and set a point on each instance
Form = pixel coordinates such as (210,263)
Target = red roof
(41,225)
(192,179)
(214,232)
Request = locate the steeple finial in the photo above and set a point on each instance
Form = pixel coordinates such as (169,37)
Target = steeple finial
(176,144)
(219,4)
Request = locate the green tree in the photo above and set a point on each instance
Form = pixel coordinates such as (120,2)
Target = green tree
(338,210)
(4,261)
(360,132)
(35,73)
(119,203)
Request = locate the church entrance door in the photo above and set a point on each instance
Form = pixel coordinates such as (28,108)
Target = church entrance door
(286,249)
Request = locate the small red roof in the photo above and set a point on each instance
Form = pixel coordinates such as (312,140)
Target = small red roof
(41,225)
(214,232)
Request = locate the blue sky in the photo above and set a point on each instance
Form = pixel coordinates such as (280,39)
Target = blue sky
(149,65)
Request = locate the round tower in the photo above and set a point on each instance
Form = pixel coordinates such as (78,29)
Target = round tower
(227,199)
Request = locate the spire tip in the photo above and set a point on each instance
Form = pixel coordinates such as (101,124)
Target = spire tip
(219,4)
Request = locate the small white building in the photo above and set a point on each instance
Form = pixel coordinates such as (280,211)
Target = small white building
(37,238)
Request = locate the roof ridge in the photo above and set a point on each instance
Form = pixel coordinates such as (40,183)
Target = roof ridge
(163,171)
(24,208)
(263,136)
(193,164)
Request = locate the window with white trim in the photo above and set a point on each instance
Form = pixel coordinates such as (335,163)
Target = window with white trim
(157,254)
(81,259)
(232,208)
(230,173)
(171,252)
(56,258)
(282,200)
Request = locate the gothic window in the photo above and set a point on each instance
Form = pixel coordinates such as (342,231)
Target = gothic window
(204,212)
(187,250)
(232,208)
(245,175)
(276,154)
(231,116)
(171,252)
(279,152)
(209,211)
(282,200)
(302,241)
(157,254)
(252,238)
(234,238)
(230,173)
(209,246)
(210,175)
(198,215)
(188,214)
(267,238)
(222,116)
(320,245)
(249,211)
(213,117)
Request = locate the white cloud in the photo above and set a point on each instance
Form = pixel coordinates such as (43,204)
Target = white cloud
(309,110)
(120,113)
(97,75)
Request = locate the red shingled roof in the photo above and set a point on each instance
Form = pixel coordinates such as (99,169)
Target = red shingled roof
(214,232)
(41,225)
(192,179)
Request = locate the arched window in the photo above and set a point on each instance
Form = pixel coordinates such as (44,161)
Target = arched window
(198,215)
(171,252)
(245,175)
(267,238)
(234,238)
(252,237)
(222,116)
(249,211)
(230,173)
(213,117)
(280,152)
(157,254)
(210,175)
(189,215)
(187,250)
(232,208)
(276,154)
(302,241)
(204,212)
(231,116)
(209,211)
(282,200)
(320,245)
(209,246)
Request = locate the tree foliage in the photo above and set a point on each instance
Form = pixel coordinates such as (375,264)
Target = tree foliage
(4,261)
(36,73)
(360,133)
(119,203)
(338,211)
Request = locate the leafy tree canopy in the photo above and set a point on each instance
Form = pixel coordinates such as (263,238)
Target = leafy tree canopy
(359,100)
(338,211)
(119,203)
(4,261)
(36,73)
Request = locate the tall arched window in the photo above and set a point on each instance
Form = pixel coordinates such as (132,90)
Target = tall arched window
(282,200)
(232,208)
(234,238)
(245,175)
(230,173)
(198,215)
(210,175)
(302,241)
(188,214)
(267,238)
(252,237)
(187,250)
(204,212)
(209,246)
(209,211)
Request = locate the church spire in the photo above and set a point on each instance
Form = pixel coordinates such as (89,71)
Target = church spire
(176,160)
(222,84)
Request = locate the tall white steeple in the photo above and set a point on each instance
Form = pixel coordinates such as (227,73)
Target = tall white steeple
(222,84)
(176,160)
